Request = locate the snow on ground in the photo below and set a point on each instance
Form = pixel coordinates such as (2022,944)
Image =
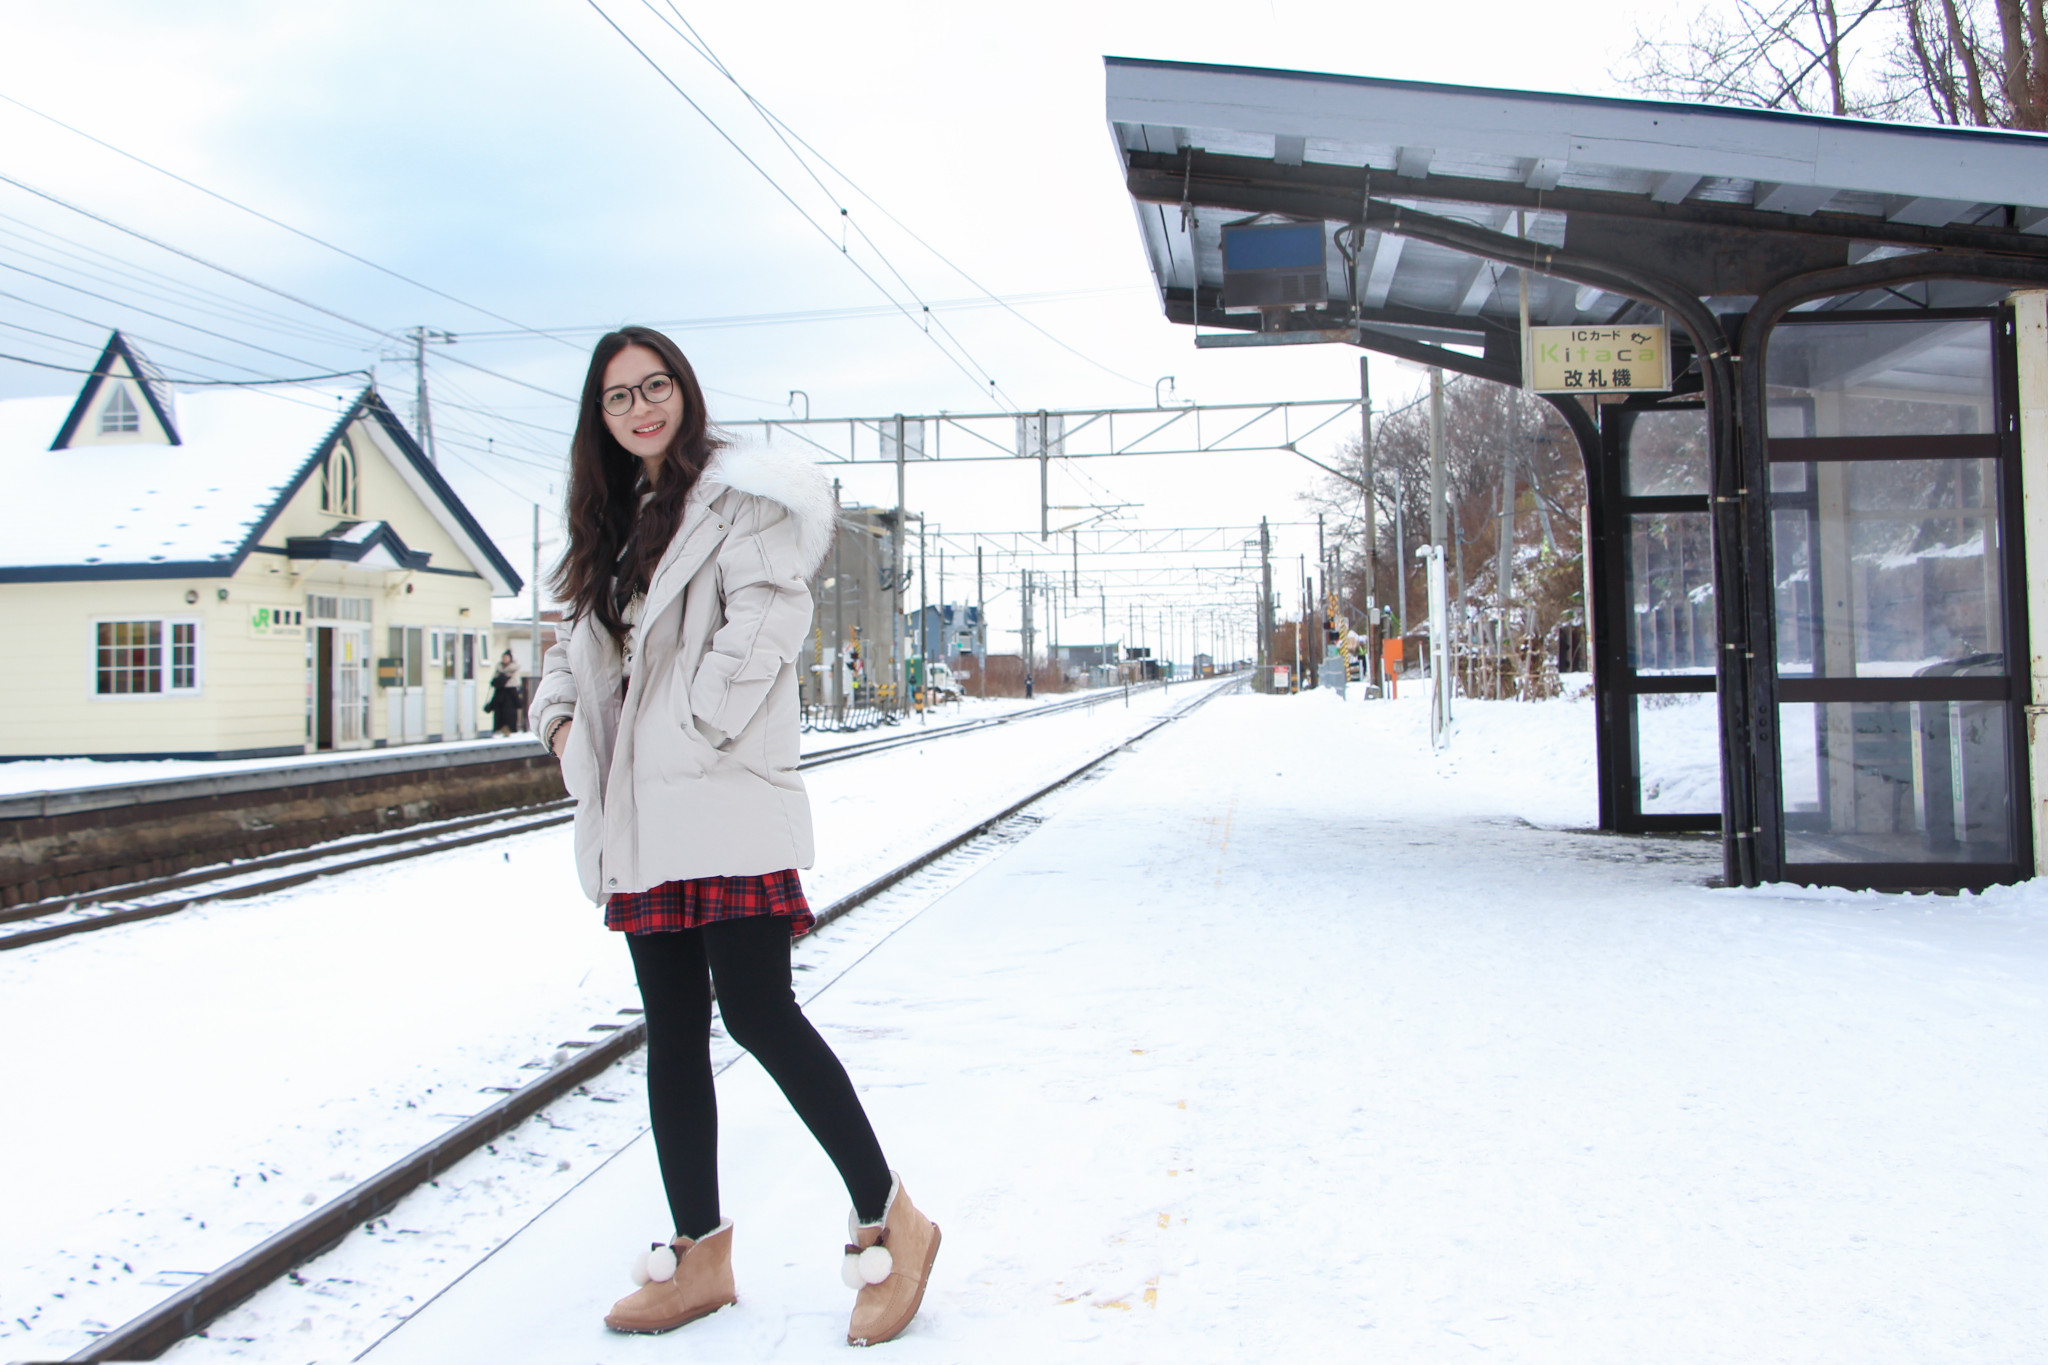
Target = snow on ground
(1284,1039)
(1241,1057)
(24,776)
(194,1083)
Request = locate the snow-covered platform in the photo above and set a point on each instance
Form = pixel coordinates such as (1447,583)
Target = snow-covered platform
(1288,1040)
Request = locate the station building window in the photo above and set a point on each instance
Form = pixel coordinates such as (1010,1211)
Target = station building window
(150,656)
(338,480)
(120,417)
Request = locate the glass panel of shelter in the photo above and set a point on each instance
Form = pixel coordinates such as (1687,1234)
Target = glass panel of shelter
(1663,728)
(1889,498)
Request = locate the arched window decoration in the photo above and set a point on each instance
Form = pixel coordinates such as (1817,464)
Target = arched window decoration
(338,480)
(120,417)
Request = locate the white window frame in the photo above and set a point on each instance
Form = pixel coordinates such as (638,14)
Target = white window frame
(120,416)
(166,669)
(339,475)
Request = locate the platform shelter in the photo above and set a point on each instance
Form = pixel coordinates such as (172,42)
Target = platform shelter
(1822,522)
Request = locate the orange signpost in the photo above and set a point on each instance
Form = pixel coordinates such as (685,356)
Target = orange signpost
(1391,654)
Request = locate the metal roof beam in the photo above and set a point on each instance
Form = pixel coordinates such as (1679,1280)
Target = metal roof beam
(1673,188)
(1927,212)
(1386,258)
(1801,201)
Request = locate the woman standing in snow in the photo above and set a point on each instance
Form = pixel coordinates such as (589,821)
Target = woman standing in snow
(672,704)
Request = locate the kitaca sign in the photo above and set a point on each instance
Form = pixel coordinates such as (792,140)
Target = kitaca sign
(1599,359)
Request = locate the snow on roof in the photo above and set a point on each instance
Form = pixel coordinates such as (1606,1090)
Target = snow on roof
(194,503)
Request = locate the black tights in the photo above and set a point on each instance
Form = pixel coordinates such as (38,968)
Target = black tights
(748,959)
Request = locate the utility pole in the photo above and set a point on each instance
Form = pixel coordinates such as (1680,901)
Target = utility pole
(1439,515)
(1372,534)
(1504,572)
(1027,632)
(896,575)
(1044,486)
(924,637)
(1322,599)
(838,666)
(980,626)
(1265,606)
(1400,565)
(536,596)
(420,337)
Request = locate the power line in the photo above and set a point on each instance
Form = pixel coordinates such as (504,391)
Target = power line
(108,261)
(153,343)
(157,294)
(146,312)
(277,222)
(190,256)
(787,197)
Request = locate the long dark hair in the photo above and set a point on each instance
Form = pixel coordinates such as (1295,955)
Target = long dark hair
(614,543)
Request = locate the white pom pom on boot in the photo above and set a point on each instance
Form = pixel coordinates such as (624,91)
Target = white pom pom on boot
(679,1283)
(888,1262)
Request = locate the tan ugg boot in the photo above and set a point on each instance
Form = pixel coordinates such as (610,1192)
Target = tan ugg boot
(679,1283)
(888,1262)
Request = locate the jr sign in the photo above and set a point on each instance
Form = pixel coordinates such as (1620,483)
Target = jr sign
(1600,359)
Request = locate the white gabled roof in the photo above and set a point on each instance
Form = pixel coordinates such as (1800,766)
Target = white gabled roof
(197,503)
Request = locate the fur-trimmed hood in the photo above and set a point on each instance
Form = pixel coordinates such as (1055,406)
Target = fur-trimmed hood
(781,477)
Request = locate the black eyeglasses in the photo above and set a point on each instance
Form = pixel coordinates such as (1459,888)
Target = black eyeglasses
(655,388)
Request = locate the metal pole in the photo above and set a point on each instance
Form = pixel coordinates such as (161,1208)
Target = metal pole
(1437,511)
(1505,570)
(536,595)
(419,369)
(1027,632)
(837,696)
(1044,488)
(896,577)
(1372,534)
(924,638)
(980,627)
(1400,573)
(1265,606)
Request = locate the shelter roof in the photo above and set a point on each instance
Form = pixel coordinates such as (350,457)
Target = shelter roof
(1724,200)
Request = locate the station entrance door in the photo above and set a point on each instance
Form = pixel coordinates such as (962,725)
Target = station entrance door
(1654,621)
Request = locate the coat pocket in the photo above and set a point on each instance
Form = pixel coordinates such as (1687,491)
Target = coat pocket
(579,769)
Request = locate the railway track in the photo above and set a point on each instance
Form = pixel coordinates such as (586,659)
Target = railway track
(192,1308)
(152,898)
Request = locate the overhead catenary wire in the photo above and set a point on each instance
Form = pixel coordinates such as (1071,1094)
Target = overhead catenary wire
(776,124)
(985,380)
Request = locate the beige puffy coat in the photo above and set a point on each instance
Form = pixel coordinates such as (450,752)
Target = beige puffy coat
(692,772)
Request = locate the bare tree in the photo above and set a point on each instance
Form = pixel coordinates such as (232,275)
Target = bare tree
(1486,425)
(1981,62)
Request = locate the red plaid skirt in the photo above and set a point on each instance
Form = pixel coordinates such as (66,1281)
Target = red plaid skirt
(707,900)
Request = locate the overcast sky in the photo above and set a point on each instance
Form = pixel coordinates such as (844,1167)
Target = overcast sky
(522,158)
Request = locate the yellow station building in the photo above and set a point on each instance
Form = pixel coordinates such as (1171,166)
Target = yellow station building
(233,573)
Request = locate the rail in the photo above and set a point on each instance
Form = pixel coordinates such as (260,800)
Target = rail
(152,898)
(192,1308)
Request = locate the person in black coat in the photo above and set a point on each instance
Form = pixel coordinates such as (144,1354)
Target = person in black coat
(506,701)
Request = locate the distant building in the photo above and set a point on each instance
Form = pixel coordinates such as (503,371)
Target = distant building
(233,572)
(852,653)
